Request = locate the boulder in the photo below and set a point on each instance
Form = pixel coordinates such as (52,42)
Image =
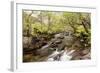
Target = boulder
(27,57)
(26,41)
(59,35)
(58,41)
(87,56)
(86,51)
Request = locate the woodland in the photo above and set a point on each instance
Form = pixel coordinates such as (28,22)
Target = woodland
(56,36)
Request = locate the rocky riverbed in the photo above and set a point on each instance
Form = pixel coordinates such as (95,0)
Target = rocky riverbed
(60,47)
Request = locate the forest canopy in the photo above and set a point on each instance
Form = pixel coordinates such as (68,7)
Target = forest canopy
(53,22)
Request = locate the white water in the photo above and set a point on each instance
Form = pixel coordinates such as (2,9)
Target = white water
(64,55)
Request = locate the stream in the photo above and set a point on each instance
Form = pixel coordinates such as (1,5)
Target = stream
(58,48)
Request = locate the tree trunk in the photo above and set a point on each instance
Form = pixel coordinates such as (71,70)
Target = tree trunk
(85,27)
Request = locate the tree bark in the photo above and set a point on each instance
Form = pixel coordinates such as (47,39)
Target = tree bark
(84,25)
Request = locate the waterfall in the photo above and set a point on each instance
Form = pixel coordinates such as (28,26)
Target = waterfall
(54,56)
(63,55)
(66,56)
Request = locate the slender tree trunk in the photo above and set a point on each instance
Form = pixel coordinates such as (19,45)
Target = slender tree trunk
(49,23)
(84,25)
(41,19)
(29,28)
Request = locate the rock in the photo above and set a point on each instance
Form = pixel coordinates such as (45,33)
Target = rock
(44,52)
(45,46)
(58,41)
(77,55)
(34,40)
(27,58)
(87,56)
(86,51)
(76,58)
(61,46)
(60,35)
(81,54)
(66,33)
(50,59)
(26,42)
(53,45)
(68,40)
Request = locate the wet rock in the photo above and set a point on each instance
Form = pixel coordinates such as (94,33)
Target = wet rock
(58,41)
(77,55)
(45,46)
(86,51)
(87,56)
(44,52)
(53,45)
